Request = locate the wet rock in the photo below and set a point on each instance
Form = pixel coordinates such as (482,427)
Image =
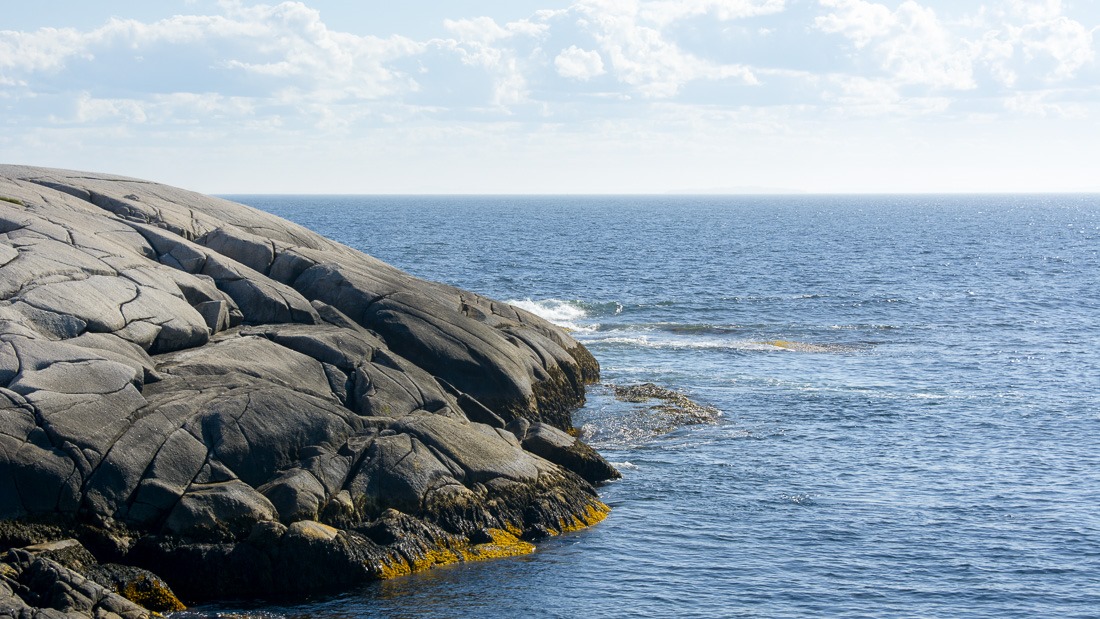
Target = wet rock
(675,406)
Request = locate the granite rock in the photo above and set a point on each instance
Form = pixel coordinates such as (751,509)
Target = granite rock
(195,379)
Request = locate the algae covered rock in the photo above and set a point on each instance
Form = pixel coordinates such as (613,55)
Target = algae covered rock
(235,394)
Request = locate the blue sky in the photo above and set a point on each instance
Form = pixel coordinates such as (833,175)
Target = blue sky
(591,96)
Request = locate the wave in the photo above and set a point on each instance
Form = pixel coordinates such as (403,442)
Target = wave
(562,313)
(625,466)
(712,343)
(602,324)
(571,315)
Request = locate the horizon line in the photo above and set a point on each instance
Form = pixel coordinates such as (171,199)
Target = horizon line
(667,194)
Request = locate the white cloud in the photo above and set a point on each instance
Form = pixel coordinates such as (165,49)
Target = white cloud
(1040,104)
(860,97)
(482,42)
(1068,43)
(580,64)
(858,20)
(642,56)
(913,46)
(910,43)
(1036,10)
(663,12)
(286,41)
(478,30)
(43,50)
(181,108)
(284,78)
(94,110)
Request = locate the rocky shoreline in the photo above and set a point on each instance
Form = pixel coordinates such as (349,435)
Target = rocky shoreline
(194,390)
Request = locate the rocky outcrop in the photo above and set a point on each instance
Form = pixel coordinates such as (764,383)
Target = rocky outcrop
(209,391)
(33,587)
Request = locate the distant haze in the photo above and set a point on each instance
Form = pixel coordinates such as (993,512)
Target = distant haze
(593,96)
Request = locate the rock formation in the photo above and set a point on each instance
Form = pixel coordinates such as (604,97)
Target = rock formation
(245,407)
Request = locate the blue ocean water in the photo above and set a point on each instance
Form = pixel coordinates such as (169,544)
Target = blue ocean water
(909,387)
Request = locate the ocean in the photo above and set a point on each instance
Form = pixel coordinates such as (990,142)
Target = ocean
(908,387)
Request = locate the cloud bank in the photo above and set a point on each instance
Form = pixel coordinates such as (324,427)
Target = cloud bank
(705,79)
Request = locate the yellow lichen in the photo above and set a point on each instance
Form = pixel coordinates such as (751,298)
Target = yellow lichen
(503,544)
(151,595)
(513,529)
(592,514)
(392,566)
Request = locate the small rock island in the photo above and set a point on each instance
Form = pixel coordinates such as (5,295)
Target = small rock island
(201,398)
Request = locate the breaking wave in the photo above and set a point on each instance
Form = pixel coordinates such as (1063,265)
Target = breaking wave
(573,315)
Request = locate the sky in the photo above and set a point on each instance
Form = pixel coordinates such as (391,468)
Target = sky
(543,97)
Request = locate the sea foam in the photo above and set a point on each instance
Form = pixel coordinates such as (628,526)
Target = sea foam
(562,313)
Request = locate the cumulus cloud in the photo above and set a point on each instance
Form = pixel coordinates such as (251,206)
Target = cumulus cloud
(858,20)
(913,46)
(288,41)
(580,64)
(642,55)
(1066,42)
(910,42)
(482,42)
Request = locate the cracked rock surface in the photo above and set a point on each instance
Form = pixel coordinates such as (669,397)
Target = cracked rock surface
(212,392)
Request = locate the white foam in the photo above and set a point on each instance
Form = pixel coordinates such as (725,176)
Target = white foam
(562,313)
(625,466)
(672,343)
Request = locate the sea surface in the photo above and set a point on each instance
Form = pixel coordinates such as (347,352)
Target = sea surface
(909,390)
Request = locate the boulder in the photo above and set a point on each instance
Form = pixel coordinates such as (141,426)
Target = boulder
(560,448)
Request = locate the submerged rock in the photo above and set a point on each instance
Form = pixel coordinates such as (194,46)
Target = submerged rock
(231,400)
(676,408)
(635,414)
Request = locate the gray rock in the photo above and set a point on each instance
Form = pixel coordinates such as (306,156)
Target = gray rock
(296,495)
(66,552)
(211,390)
(211,510)
(137,585)
(560,448)
(38,588)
